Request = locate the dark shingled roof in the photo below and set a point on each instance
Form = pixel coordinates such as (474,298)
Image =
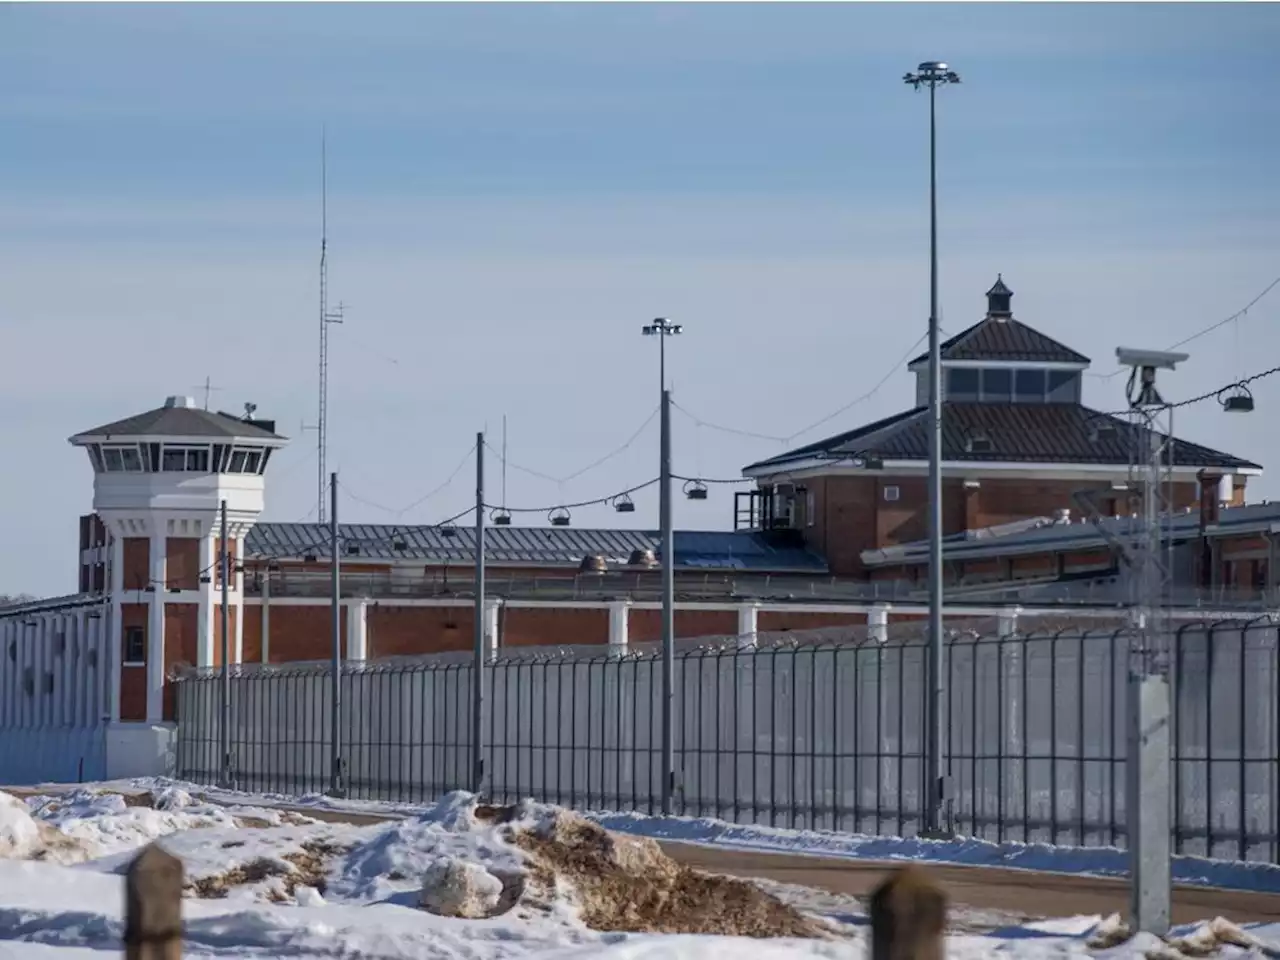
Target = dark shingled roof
(1016,432)
(181,422)
(535,546)
(1005,339)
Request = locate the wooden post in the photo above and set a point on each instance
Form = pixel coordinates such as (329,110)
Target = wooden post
(908,916)
(153,906)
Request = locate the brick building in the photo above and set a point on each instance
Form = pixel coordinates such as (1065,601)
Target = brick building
(1017,444)
(830,537)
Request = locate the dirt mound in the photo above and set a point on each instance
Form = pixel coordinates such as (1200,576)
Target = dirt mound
(624,883)
(306,867)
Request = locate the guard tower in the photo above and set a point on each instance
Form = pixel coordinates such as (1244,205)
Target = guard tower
(160,478)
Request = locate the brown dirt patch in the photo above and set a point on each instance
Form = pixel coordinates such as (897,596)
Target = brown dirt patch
(628,884)
(309,868)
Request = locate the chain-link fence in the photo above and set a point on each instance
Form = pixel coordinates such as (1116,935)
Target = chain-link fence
(820,730)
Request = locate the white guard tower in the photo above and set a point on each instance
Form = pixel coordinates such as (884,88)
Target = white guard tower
(159,481)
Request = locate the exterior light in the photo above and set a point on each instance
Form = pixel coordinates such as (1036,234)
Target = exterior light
(593,563)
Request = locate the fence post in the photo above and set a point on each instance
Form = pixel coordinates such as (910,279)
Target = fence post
(908,916)
(153,906)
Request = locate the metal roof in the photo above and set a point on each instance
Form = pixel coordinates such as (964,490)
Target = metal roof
(1014,433)
(1005,339)
(180,422)
(1042,533)
(712,549)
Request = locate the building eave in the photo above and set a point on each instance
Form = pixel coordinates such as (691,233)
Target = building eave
(275,441)
(830,466)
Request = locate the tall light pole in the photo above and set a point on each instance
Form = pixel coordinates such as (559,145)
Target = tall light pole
(934,74)
(662,328)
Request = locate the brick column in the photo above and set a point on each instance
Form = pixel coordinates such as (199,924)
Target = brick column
(205,630)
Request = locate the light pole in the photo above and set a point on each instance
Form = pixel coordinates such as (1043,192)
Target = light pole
(662,328)
(934,74)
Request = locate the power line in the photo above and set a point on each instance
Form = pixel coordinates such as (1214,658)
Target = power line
(1207,330)
(466,458)
(817,423)
(675,476)
(577,473)
(1216,394)
(575,506)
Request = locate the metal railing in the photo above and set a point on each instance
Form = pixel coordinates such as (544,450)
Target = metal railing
(820,730)
(717,588)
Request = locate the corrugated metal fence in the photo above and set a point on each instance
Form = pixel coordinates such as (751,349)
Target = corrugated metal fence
(820,730)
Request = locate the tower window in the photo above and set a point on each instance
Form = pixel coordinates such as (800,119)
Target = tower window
(135,645)
(1028,385)
(237,461)
(997,384)
(122,459)
(963,384)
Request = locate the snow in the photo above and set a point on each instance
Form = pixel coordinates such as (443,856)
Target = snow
(1256,877)
(361,898)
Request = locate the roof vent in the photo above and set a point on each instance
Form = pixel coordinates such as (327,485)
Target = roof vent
(185,403)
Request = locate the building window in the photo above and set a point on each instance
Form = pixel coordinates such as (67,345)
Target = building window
(808,508)
(122,459)
(997,385)
(185,459)
(891,494)
(1064,386)
(963,384)
(95,457)
(1028,386)
(253,461)
(135,645)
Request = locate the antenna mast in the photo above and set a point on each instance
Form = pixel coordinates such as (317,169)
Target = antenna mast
(326,318)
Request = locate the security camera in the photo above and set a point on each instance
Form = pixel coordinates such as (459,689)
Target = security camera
(1149,359)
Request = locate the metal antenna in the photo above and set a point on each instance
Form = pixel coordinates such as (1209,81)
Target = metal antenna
(504,461)
(208,389)
(327,317)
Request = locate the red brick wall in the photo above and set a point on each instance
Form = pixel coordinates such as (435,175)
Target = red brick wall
(297,633)
(645,626)
(217,634)
(133,680)
(413,631)
(182,563)
(137,563)
(852,514)
(774,620)
(546,626)
(181,621)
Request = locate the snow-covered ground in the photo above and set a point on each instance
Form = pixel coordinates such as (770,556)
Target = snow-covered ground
(1090,861)
(265,881)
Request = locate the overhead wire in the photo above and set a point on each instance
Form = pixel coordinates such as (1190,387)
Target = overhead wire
(581,503)
(577,473)
(1206,330)
(400,512)
(862,398)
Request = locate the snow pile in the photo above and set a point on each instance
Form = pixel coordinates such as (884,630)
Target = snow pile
(465,859)
(19,833)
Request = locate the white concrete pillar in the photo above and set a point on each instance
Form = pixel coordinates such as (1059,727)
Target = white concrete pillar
(1007,622)
(155,628)
(619,627)
(748,624)
(266,616)
(237,587)
(357,629)
(112,648)
(492,629)
(878,623)
(205,630)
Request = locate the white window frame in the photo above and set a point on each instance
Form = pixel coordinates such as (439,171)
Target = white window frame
(121,450)
(892,493)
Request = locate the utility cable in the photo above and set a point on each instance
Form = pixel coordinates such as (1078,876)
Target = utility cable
(581,503)
(817,423)
(577,473)
(422,499)
(1207,330)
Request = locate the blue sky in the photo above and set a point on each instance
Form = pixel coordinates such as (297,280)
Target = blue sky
(515,188)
